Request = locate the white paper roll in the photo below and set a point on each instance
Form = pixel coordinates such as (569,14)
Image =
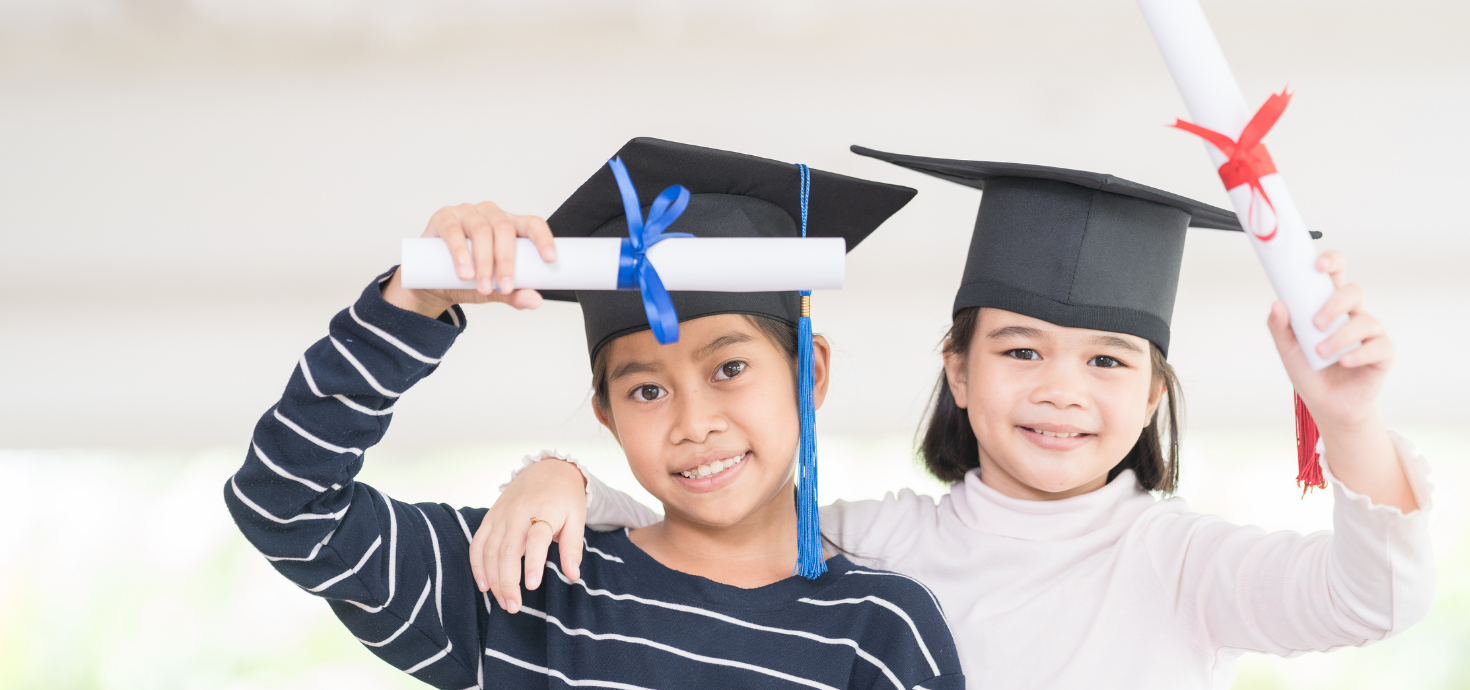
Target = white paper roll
(708,264)
(1215,102)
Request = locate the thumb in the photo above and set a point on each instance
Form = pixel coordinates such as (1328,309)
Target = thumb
(1292,357)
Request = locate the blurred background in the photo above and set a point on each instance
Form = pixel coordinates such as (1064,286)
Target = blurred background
(189,189)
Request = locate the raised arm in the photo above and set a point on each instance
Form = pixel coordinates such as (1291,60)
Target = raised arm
(391,570)
(396,574)
(1285,593)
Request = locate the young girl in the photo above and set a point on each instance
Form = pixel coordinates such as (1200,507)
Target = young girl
(1055,417)
(705,598)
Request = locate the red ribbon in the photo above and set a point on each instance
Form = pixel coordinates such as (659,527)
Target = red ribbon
(1248,160)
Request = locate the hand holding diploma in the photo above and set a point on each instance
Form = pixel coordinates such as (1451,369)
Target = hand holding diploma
(481,243)
(1257,190)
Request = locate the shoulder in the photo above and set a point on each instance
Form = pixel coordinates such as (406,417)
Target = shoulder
(894,591)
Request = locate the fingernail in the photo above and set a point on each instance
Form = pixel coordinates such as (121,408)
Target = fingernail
(465,271)
(1347,360)
(513,607)
(500,601)
(480,582)
(485,286)
(505,285)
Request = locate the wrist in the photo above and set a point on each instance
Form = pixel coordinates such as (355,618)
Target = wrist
(417,301)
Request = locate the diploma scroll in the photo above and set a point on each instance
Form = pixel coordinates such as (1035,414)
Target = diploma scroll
(1277,231)
(706,264)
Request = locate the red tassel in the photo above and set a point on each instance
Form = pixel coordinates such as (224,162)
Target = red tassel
(1308,465)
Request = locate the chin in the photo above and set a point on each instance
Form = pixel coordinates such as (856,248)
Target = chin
(1057,477)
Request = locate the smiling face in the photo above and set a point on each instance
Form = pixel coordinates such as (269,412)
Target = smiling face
(709,424)
(1053,408)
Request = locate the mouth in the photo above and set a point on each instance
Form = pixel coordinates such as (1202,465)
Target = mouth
(1056,438)
(714,468)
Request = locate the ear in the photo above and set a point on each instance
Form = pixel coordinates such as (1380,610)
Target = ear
(1154,398)
(822,367)
(604,417)
(954,373)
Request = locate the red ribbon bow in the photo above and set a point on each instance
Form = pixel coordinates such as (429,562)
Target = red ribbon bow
(1248,160)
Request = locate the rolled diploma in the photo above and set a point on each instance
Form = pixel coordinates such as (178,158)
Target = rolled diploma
(1214,101)
(708,264)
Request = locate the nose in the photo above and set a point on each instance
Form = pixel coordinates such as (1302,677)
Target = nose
(1061,385)
(697,415)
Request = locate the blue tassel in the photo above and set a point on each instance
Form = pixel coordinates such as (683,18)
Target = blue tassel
(810,562)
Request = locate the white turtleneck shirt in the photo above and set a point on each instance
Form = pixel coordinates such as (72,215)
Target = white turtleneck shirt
(1118,589)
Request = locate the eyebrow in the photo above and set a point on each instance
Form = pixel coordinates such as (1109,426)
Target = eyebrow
(630,368)
(1115,341)
(723,341)
(1015,333)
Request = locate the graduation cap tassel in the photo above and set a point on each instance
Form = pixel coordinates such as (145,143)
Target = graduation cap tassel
(1308,463)
(809,560)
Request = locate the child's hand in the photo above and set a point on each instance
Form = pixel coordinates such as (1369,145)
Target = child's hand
(1340,397)
(553,492)
(493,233)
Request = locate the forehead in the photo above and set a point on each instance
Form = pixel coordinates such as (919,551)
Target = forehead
(993,319)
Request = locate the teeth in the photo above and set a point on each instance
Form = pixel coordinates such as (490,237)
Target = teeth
(713,468)
(1057,434)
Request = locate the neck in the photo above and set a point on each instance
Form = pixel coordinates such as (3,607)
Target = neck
(757,551)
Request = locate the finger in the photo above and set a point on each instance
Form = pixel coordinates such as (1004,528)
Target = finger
(477,554)
(538,543)
(505,252)
(524,298)
(1279,323)
(446,225)
(1334,264)
(570,543)
(539,233)
(481,236)
(512,547)
(491,560)
(1378,351)
(1358,329)
(1345,300)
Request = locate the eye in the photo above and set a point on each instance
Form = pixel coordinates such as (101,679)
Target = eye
(1024,353)
(648,393)
(730,370)
(1105,362)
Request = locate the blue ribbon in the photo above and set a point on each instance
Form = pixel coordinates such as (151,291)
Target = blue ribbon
(634,269)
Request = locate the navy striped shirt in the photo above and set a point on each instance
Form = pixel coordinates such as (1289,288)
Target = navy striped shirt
(398,574)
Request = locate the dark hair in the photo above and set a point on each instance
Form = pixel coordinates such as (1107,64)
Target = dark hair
(950,450)
(780,333)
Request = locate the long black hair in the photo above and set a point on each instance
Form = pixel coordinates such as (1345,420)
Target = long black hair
(950,450)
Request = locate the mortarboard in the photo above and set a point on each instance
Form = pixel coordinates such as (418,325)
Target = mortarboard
(1082,250)
(712,193)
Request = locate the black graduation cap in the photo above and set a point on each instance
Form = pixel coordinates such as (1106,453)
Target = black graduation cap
(1073,248)
(731,195)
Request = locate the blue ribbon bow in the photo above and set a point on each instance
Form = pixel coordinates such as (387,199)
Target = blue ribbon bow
(634,269)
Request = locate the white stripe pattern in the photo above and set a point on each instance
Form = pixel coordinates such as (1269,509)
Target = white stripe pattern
(428,585)
(266,514)
(366,375)
(388,338)
(349,573)
(607,556)
(349,402)
(891,607)
(392,558)
(303,433)
(921,585)
(717,661)
(875,661)
(282,471)
(420,665)
(310,556)
(438,568)
(559,675)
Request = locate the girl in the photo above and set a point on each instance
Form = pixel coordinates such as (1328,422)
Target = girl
(1054,418)
(705,598)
